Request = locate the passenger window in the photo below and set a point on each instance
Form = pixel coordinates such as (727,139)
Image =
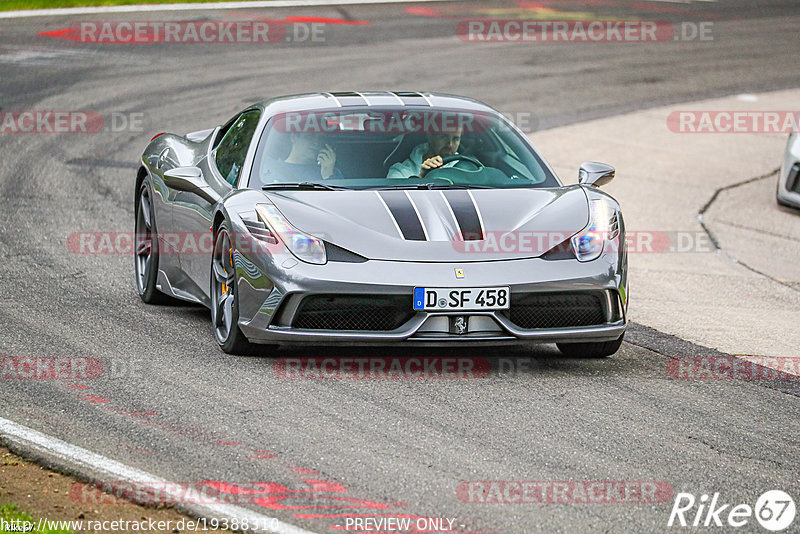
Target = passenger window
(232,150)
(223,130)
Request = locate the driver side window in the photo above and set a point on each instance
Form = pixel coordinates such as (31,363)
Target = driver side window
(232,149)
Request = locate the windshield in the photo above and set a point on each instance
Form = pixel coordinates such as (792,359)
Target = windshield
(399,149)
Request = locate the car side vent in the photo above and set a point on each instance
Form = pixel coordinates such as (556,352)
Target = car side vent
(260,231)
(613,226)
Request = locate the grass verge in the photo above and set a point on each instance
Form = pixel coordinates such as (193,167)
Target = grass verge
(13,520)
(29,492)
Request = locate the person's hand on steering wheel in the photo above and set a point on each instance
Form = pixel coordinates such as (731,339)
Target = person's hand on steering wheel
(437,162)
(431,163)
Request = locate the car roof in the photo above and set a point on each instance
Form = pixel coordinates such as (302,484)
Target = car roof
(361,99)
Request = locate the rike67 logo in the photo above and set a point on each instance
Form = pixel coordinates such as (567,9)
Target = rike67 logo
(774,510)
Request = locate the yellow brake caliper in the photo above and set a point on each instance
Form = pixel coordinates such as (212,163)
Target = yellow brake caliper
(224,285)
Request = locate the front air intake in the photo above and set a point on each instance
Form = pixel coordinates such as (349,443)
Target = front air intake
(353,312)
(532,311)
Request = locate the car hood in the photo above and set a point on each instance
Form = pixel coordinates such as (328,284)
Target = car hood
(439,225)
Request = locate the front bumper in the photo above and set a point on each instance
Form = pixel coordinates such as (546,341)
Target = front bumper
(788,193)
(269,304)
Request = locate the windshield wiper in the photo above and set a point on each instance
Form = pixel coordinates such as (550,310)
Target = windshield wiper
(303,186)
(434,186)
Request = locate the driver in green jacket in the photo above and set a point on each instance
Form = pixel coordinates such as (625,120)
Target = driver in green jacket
(427,156)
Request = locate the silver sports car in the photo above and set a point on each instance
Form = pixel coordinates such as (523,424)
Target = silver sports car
(380,217)
(788,193)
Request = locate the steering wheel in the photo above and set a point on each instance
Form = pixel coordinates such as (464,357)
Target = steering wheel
(462,157)
(455,157)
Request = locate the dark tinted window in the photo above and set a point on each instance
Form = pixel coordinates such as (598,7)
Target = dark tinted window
(223,130)
(373,148)
(232,149)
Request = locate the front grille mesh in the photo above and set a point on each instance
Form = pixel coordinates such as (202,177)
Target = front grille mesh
(555,310)
(353,312)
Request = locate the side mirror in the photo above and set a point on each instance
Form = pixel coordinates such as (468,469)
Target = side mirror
(595,174)
(190,179)
(184,178)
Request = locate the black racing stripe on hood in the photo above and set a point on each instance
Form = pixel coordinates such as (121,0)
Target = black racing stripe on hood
(404,214)
(466,214)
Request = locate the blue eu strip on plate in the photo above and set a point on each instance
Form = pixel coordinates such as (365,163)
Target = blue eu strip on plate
(419,298)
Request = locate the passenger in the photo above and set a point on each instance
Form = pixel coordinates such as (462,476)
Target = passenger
(309,159)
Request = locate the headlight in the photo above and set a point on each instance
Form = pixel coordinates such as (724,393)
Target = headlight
(603,225)
(307,248)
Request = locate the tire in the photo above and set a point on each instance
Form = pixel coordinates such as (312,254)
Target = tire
(590,350)
(145,258)
(225,297)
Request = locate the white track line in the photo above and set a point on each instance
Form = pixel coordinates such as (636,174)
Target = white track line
(92,466)
(193,7)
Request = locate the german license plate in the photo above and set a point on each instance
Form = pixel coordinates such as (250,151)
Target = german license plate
(461,298)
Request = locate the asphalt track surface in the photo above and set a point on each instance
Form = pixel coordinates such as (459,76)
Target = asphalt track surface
(172,404)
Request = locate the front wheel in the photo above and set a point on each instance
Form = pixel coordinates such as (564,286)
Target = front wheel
(225,297)
(590,350)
